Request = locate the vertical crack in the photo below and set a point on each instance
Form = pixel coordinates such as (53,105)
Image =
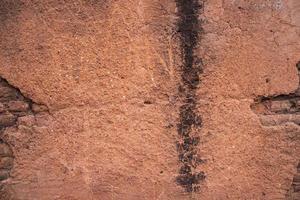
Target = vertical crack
(189,29)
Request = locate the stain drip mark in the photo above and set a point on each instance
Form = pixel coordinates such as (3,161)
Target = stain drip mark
(189,30)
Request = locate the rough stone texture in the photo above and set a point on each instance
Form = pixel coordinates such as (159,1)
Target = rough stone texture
(105,77)
(250,49)
(107,72)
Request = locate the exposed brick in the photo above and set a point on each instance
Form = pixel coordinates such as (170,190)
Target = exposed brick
(295,119)
(4,174)
(278,110)
(2,108)
(27,120)
(10,103)
(280,106)
(296,196)
(7,119)
(273,120)
(296,183)
(297,178)
(7,93)
(267,121)
(5,151)
(6,162)
(261,108)
(39,108)
(15,110)
(297,188)
(298,103)
(17,106)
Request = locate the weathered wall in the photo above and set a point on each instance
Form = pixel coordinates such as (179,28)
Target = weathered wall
(106,71)
(148,99)
(251,50)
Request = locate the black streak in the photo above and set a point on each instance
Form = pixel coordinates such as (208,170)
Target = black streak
(189,29)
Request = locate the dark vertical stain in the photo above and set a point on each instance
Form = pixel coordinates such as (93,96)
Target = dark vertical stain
(189,29)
